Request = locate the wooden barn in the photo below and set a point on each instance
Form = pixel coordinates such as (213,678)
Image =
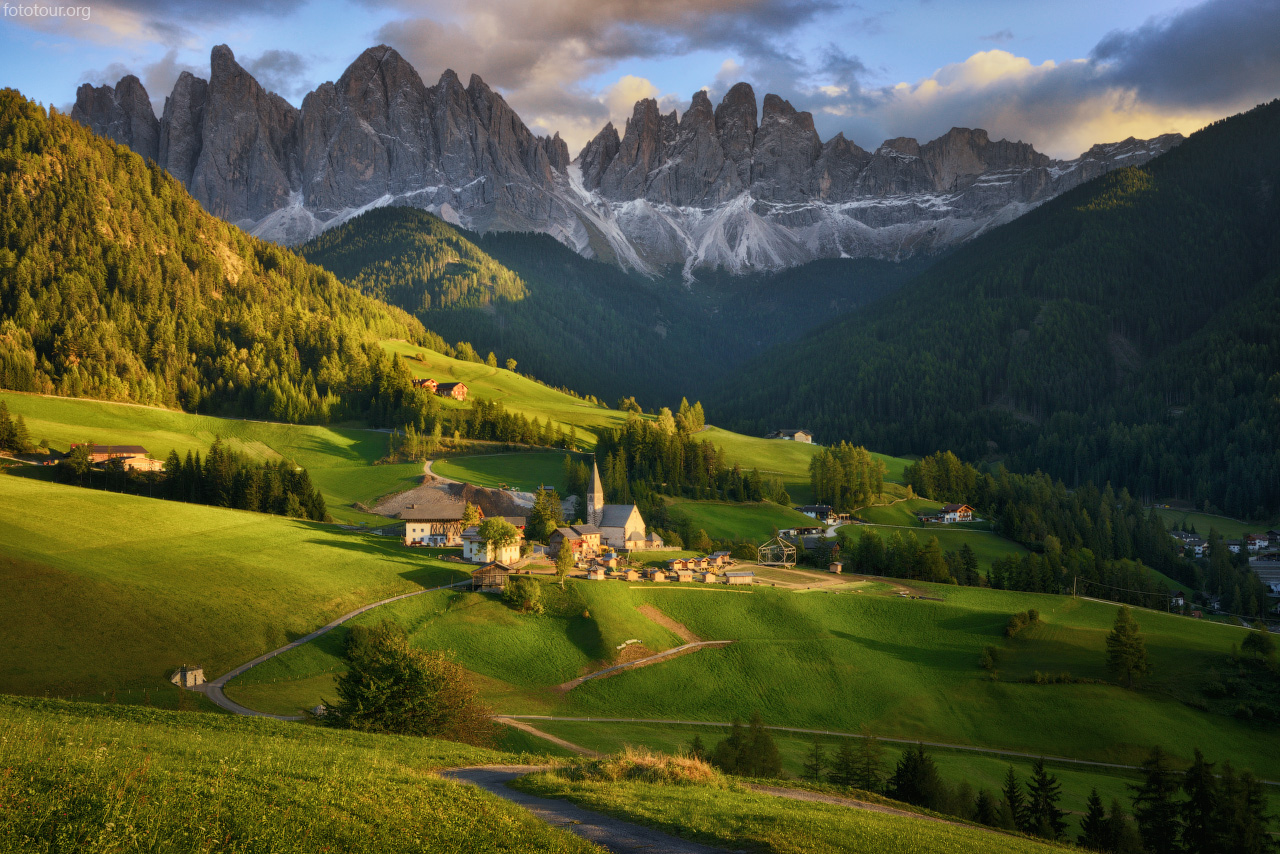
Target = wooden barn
(491,578)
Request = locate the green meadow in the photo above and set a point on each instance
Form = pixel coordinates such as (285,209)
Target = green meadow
(721,520)
(901,513)
(339,460)
(521,471)
(116,778)
(989,547)
(905,668)
(106,591)
(1232,529)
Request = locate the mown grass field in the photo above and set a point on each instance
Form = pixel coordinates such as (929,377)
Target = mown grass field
(1231,529)
(106,591)
(979,770)
(112,778)
(736,819)
(905,668)
(339,460)
(522,471)
(728,521)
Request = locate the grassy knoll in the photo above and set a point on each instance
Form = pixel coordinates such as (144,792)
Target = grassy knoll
(727,521)
(979,770)
(1232,529)
(339,460)
(737,819)
(902,513)
(987,546)
(112,778)
(906,668)
(788,460)
(522,471)
(517,656)
(112,591)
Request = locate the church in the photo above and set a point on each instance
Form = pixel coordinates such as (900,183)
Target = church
(621,525)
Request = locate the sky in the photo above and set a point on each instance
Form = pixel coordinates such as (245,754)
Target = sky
(1060,75)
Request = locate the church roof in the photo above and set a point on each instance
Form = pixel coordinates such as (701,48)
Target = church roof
(616,515)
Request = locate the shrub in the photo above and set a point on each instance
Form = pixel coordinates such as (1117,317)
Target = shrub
(1022,621)
(523,593)
(643,766)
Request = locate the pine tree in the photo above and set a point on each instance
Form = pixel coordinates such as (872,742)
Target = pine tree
(1126,651)
(868,767)
(761,758)
(697,749)
(984,809)
(1244,819)
(1200,810)
(1093,827)
(1014,807)
(844,768)
(815,764)
(1043,815)
(728,753)
(6,428)
(20,440)
(916,779)
(1153,805)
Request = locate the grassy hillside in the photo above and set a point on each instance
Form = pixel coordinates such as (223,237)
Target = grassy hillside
(728,521)
(1124,331)
(111,778)
(1232,529)
(522,471)
(906,668)
(107,591)
(339,460)
(734,819)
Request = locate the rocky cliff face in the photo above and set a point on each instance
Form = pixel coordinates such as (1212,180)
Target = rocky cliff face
(711,187)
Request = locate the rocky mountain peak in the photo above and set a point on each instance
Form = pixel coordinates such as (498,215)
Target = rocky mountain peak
(122,113)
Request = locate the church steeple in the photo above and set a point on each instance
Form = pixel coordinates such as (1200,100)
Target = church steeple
(595,496)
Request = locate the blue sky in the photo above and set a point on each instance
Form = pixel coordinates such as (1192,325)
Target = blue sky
(1060,75)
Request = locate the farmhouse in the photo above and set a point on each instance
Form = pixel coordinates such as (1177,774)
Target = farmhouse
(477,550)
(582,540)
(792,435)
(132,457)
(739,576)
(491,578)
(1256,542)
(428,383)
(458,391)
(957,513)
(437,521)
(621,525)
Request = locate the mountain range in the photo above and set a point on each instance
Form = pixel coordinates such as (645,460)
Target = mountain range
(726,187)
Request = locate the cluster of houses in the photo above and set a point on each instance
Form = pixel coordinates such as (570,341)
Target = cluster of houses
(458,391)
(792,436)
(1195,546)
(705,570)
(948,515)
(132,457)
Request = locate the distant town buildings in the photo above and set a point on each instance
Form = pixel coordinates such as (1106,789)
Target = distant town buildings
(436,521)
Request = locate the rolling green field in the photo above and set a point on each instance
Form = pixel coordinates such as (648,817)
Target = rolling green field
(115,778)
(1231,529)
(339,460)
(522,471)
(735,819)
(727,521)
(106,591)
(987,546)
(901,513)
(906,668)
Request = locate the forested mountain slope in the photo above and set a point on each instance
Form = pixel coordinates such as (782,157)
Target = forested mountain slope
(1127,331)
(116,284)
(585,324)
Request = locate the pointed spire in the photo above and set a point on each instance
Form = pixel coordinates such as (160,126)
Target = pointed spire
(595,496)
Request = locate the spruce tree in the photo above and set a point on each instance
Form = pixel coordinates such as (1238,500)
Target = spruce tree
(1093,827)
(760,756)
(697,749)
(1014,808)
(844,769)
(815,763)
(1153,804)
(727,753)
(1201,809)
(1044,817)
(916,779)
(868,766)
(985,811)
(1244,819)
(20,440)
(1126,651)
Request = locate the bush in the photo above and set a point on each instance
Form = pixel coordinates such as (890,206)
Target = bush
(642,766)
(523,593)
(1020,622)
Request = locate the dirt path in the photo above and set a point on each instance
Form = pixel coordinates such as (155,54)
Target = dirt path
(534,731)
(612,834)
(640,662)
(680,629)
(213,690)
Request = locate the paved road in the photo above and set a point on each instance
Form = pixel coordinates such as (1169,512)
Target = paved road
(213,690)
(620,837)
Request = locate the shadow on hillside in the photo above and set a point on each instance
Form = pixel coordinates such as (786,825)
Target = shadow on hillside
(942,658)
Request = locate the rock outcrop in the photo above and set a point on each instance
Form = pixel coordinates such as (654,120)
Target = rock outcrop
(712,187)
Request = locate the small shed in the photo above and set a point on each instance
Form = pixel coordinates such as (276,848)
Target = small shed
(685,575)
(836,566)
(658,575)
(596,573)
(491,578)
(741,576)
(632,575)
(708,577)
(187,676)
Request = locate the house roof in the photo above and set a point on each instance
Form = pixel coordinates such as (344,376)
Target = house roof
(815,508)
(583,530)
(436,507)
(448,387)
(741,573)
(951,508)
(616,515)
